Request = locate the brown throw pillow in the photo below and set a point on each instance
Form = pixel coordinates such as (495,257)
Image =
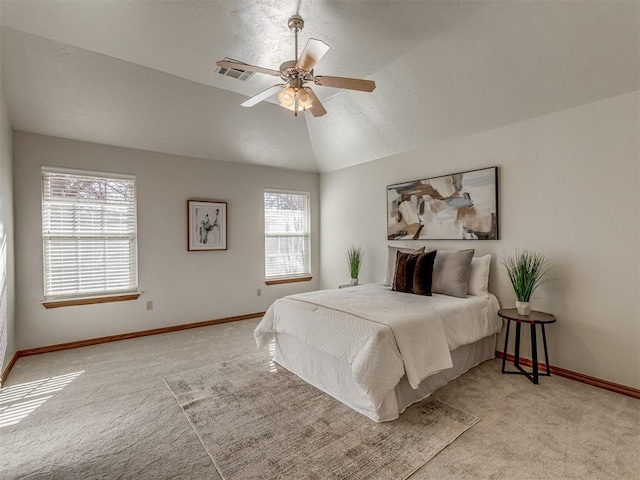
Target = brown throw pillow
(391,261)
(423,273)
(405,267)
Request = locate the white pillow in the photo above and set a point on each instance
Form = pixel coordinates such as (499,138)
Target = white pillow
(391,261)
(478,283)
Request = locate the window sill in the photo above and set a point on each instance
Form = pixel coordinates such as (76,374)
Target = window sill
(280,281)
(69,302)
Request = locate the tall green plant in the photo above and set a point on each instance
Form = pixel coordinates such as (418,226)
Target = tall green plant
(354,260)
(527,270)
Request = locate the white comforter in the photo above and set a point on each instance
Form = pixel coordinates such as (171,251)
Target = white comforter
(382,334)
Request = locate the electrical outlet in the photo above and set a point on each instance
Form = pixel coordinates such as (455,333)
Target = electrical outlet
(149,304)
(259,292)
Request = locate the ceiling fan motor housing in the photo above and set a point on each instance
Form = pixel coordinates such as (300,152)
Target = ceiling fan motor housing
(289,72)
(288,66)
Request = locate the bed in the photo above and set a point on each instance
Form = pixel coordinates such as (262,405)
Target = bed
(377,350)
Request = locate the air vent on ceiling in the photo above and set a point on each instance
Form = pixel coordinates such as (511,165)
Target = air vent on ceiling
(235,73)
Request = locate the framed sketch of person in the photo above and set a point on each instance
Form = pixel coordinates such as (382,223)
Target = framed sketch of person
(207,225)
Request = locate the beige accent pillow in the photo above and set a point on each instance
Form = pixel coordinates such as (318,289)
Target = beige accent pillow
(451,272)
(478,283)
(391,261)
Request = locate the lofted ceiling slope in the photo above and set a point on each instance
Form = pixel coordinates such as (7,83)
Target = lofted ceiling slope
(142,74)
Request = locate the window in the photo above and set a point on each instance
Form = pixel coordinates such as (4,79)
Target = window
(287,242)
(88,234)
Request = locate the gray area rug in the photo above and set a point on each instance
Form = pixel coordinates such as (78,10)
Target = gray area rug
(257,420)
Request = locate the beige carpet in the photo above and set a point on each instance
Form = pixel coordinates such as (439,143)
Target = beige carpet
(257,420)
(119,421)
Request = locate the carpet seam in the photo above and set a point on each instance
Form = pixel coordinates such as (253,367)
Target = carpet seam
(194,430)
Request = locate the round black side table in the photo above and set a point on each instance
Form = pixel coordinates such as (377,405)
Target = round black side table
(533,319)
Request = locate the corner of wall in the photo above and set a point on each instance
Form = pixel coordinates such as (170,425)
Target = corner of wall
(7,275)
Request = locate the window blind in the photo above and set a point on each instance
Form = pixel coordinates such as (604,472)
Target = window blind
(287,234)
(89,233)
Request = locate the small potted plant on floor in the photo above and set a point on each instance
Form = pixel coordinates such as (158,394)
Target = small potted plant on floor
(354,260)
(527,270)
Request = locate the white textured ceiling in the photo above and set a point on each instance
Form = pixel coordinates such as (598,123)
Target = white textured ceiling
(142,74)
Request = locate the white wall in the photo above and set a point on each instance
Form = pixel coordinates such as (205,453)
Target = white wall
(569,187)
(184,286)
(7,278)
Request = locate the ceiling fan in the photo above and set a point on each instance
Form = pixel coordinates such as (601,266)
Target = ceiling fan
(294,94)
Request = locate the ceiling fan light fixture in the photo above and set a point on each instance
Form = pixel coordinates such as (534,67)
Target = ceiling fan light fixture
(304,99)
(288,96)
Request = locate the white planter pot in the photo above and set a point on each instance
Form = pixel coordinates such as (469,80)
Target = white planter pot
(354,281)
(524,308)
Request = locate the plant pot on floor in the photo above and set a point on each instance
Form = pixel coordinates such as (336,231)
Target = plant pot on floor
(354,281)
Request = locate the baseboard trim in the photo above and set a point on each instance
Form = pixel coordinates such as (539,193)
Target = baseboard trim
(126,336)
(560,372)
(579,377)
(5,373)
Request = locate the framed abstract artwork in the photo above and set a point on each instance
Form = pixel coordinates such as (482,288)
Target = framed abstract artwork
(207,225)
(460,206)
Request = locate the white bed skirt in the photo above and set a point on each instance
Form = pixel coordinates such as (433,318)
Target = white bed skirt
(335,377)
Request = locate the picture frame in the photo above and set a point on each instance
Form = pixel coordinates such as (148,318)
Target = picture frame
(207,225)
(459,206)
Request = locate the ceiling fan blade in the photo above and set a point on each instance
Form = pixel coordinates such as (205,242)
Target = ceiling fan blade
(348,83)
(262,95)
(316,108)
(246,67)
(313,51)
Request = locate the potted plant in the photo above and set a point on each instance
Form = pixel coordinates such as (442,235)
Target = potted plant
(354,260)
(527,270)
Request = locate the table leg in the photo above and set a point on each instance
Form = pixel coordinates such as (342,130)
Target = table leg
(534,353)
(516,356)
(506,341)
(546,353)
